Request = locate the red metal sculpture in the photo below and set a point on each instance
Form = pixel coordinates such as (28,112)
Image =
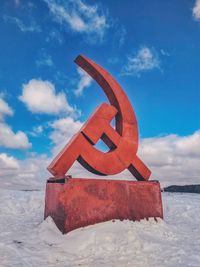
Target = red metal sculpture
(123,144)
(122,141)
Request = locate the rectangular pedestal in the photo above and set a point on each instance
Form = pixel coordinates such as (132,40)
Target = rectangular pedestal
(76,202)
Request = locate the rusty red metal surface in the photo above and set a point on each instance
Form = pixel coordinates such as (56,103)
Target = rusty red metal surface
(74,203)
(122,141)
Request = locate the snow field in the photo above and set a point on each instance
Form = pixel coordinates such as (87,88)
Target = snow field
(26,240)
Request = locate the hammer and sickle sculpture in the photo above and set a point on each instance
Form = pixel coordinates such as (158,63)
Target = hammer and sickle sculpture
(122,141)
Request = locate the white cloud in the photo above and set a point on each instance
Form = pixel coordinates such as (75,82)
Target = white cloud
(8,162)
(196,10)
(146,59)
(63,130)
(28,174)
(32,27)
(84,82)
(5,109)
(79,17)
(9,139)
(40,97)
(173,159)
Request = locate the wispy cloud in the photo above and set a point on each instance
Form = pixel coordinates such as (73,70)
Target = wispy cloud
(79,17)
(84,82)
(119,35)
(145,59)
(17,2)
(44,59)
(32,27)
(55,35)
(164,53)
(196,10)
(37,130)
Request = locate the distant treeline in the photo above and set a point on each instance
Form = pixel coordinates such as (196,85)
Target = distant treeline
(183,188)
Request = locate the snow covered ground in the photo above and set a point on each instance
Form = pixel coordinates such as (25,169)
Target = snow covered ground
(26,240)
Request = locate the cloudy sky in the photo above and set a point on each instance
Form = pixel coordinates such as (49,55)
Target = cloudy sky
(152,48)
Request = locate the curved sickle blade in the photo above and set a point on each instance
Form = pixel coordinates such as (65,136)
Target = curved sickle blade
(126,133)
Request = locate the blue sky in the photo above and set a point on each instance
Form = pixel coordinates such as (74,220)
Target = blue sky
(150,47)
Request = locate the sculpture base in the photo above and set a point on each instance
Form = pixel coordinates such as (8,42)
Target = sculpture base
(74,203)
